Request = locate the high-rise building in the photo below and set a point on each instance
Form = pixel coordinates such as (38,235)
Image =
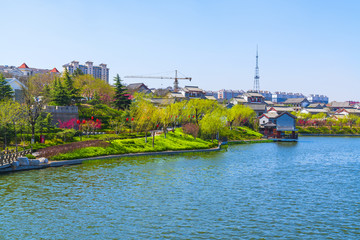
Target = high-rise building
(101,71)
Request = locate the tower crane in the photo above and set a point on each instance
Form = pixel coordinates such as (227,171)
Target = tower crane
(176,79)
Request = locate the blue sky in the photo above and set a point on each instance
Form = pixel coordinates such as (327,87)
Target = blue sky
(304,46)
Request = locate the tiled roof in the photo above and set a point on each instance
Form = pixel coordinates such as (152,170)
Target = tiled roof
(192,89)
(24,66)
(316,110)
(271,114)
(251,94)
(295,100)
(282,109)
(340,104)
(54,70)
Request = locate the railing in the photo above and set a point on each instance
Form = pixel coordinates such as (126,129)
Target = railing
(10,156)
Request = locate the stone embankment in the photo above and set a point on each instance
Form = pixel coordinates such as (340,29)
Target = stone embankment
(24,163)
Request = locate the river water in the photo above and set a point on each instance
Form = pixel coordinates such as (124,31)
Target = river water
(304,190)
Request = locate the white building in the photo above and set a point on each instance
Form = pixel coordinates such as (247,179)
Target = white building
(101,71)
(316,98)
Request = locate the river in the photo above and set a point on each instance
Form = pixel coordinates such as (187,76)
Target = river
(303,190)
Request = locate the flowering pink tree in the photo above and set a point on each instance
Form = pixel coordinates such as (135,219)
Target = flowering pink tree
(68,124)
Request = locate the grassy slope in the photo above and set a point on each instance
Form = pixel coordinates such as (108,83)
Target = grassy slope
(173,141)
(242,133)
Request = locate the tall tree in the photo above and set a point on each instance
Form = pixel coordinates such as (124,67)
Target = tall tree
(5,89)
(73,92)
(60,95)
(33,104)
(121,97)
(77,72)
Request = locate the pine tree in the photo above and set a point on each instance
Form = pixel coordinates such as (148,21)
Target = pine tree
(60,94)
(5,89)
(121,98)
(74,93)
(77,72)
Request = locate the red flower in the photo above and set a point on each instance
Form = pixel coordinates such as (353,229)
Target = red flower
(132,119)
(84,121)
(127,119)
(193,116)
(92,117)
(78,121)
(97,120)
(157,125)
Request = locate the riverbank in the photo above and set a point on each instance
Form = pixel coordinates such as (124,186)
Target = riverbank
(80,161)
(327,135)
(176,143)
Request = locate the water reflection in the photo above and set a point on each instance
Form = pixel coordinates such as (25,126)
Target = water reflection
(268,190)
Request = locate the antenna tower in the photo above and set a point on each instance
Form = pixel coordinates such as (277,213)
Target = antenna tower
(257,76)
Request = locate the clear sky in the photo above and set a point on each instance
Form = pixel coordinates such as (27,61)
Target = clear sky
(305,46)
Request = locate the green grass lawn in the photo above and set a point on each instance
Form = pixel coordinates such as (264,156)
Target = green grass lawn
(242,133)
(174,141)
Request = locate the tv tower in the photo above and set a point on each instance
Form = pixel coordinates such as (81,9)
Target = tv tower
(257,77)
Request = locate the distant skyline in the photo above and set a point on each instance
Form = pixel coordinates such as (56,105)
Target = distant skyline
(304,46)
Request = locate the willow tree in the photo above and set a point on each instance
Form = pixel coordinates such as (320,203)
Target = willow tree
(213,123)
(199,107)
(145,116)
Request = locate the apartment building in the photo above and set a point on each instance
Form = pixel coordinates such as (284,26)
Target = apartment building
(101,71)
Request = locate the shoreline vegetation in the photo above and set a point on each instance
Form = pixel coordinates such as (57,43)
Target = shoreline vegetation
(328,131)
(175,140)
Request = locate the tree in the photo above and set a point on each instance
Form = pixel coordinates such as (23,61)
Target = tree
(59,94)
(165,118)
(145,115)
(77,72)
(238,115)
(91,87)
(196,108)
(10,112)
(33,104)
(212,124)
(73,92)
(5,89)
(121,98)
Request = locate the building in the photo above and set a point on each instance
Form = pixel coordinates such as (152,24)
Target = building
(334,106)
(101,71)
(211,93)
(281,110)
(138,87)
(297,102)
(278,126)
(314,111)
(279,97)
(253,97)
(17,87)
(348,111)
(254,100)
(192,92)
(24,70)
(229,94)
(316,98)
(267,95)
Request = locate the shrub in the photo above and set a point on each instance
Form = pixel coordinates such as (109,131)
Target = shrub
(191,129)
(61,149)
(30,156)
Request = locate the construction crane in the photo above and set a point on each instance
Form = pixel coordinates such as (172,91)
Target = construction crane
(176,79)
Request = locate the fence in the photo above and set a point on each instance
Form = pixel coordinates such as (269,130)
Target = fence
(10,156)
